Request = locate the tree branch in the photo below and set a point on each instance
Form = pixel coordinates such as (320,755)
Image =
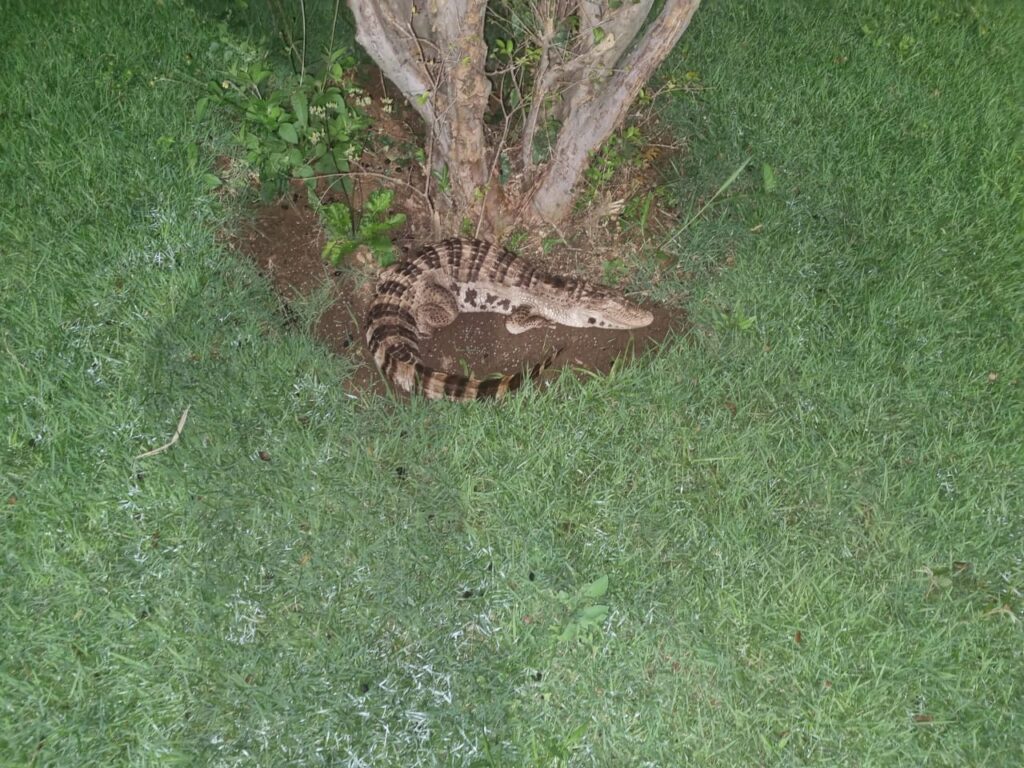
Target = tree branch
(596,54)
(384,31)
(594,114)
(540,88)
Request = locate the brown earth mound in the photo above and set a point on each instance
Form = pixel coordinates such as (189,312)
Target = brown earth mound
(285,241)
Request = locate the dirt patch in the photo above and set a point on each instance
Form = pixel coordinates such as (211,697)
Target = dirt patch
(285,241)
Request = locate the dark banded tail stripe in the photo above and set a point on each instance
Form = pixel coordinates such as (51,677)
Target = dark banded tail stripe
(400,365)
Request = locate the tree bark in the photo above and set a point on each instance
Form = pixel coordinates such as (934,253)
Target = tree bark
(385,31)
(597,109)
(435,53)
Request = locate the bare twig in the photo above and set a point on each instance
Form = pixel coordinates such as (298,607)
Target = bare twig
(384,176)
(490,175)
(334,27)
(302,73)
(540,88)
(169,443)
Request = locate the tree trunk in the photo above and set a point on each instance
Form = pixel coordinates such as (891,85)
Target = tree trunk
(435,53)
(596,107)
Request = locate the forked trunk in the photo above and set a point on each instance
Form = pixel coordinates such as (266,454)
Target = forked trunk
(435,53)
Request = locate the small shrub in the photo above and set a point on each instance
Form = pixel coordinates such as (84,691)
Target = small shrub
(374,228)
(294,125)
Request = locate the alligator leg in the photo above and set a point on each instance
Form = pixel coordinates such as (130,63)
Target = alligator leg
(436,308)
(523,318)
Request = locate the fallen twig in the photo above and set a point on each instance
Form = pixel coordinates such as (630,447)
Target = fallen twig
(169,443)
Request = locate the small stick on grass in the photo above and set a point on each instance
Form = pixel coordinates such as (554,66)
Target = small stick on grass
(169,443)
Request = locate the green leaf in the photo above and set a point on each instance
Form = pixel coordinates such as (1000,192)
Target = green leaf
(380,200)
(595,589)
(287,132)
(201,106)
(645,210)
(338,219)
(336,250)
(384,252)
(395,220)
(340,161)
(326,165)
(332,252)
(370,229)
(210,181)
(300,106)
(598,35)
(593,614)
(549,242)
(569,633)
(303,172)
(768,176)
(440,175)
(259,74)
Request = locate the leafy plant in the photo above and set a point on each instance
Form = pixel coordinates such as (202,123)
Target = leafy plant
(637,211)
(373,229)
(514,240)
(585,618)
(735,319)
(444,182)
(503,47)
(615,271)
(294,125)
(623,148)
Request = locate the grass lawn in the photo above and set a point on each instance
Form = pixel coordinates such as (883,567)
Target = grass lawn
(810,512)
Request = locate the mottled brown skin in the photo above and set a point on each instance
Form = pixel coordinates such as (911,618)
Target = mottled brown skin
(417,297)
